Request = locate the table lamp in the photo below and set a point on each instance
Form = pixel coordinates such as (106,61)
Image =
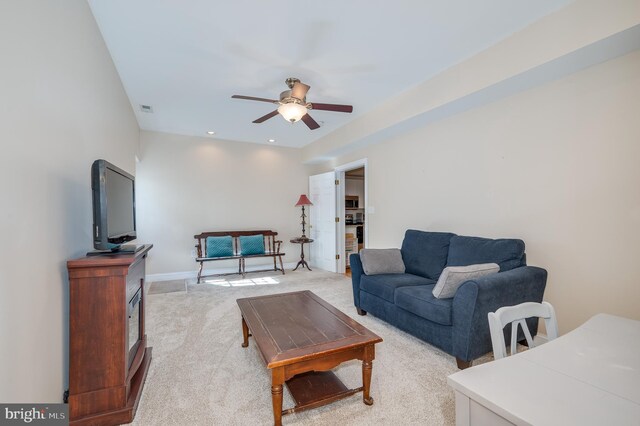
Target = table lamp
(303,201)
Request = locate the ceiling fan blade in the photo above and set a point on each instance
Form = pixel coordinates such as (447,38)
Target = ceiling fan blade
(299,90)
(310,122)
(251,98)
(332,107)
(266,117)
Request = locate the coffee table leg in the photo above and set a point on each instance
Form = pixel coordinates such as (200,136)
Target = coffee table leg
(245,333)
(367,367)
(277,380)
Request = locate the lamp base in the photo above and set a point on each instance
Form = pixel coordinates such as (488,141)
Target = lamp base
(302,263)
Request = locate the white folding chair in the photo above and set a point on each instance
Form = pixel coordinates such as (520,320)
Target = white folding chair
(516,316)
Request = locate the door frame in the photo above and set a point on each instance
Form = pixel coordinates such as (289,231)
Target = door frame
(340,211)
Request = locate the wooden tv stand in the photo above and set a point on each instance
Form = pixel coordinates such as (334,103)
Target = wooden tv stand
(106,373)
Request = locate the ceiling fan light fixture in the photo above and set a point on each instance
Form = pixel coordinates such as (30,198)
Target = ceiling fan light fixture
(292,112)
(293,105)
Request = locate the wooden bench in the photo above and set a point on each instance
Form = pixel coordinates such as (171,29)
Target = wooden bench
(271,249)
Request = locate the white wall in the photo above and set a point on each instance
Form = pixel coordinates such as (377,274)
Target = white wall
(62,106)
(581,34)
(556,166)
(355,187)
(187,185)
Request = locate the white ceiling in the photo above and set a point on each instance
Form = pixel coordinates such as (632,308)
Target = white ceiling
(186,58)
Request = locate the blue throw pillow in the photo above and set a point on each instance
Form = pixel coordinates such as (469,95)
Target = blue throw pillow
(219,246)
(253,244)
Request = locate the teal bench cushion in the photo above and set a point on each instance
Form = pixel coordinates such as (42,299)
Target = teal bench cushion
(219,246)
(252,244)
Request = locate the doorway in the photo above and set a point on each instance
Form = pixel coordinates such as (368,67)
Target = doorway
(354,214)
(338,223)
(352,232)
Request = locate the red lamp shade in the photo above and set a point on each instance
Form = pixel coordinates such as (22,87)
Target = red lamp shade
(303,201)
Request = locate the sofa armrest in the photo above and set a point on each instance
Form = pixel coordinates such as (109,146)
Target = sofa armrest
(356,273)
(476,298)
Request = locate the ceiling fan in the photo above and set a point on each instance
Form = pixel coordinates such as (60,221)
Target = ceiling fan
(293,105)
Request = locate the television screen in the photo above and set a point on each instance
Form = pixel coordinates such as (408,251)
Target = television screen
(120,219)
(114,206)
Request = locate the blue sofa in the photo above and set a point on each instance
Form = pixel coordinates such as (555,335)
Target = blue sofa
(457,325)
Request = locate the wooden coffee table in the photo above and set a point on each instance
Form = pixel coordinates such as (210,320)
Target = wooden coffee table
(301,338)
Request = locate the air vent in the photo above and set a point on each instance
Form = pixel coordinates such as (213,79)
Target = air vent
(146,108)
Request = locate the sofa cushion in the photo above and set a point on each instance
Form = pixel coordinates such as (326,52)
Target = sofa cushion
(507,253)
(454,276)
(425,253)
(384,285)
(382,261)
(420,301)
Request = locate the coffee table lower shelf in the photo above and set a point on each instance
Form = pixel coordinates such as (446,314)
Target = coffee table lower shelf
(316,388)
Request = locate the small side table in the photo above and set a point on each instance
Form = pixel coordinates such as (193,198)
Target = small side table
(301,241)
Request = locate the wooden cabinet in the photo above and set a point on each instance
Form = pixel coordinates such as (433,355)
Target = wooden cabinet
(108,353)
(350,243)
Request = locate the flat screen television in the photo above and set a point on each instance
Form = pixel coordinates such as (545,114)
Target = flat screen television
(114,208)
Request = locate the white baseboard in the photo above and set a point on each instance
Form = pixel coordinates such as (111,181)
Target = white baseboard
(168,276)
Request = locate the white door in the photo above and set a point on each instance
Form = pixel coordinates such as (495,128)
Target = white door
(322,192)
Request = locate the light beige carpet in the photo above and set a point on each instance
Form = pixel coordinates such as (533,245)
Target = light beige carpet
(200,375)
(167,287)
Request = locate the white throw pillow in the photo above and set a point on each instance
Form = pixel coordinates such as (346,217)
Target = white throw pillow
(382,261)
(453,277)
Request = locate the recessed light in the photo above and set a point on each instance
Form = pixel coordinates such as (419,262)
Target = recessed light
(211,132)
(272,140)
